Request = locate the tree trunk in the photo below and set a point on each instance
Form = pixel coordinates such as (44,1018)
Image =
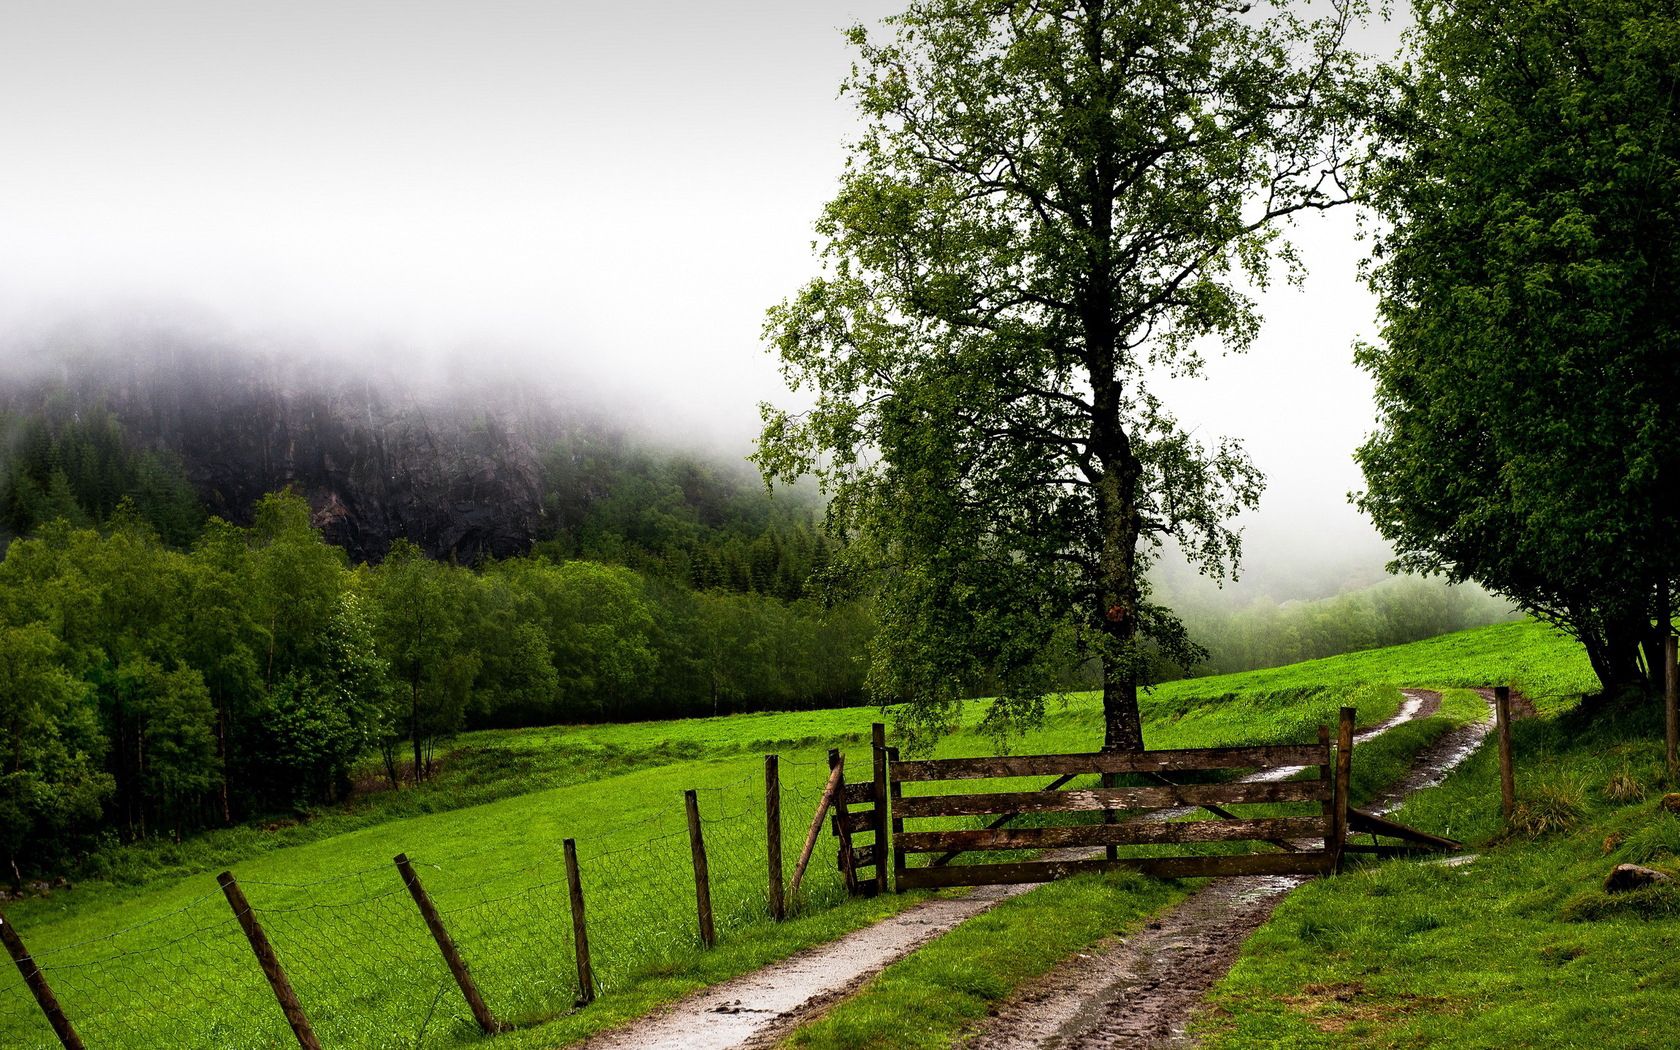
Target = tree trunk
(1613,651)
(1122,723)
(414,732)
(221,753)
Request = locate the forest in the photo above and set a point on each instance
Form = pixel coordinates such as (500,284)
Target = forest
(167,671)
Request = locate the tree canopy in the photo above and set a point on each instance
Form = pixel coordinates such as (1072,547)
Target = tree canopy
(1050,204)
(1528,378)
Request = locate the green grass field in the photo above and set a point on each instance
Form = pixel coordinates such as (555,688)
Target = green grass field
(150,956)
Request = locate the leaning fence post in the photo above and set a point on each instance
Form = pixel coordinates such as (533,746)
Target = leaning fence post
(842,824)
(773,834)
(835,775)
(878,737)
(457,966)
(1671,706)
(269,962)
(1507,779)
(1344,779)
(580,933)
(38,986)
(702,880)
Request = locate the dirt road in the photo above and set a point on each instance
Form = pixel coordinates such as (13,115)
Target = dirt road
(1140,991)
(1130,992)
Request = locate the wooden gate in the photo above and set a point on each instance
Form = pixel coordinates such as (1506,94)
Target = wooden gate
(1174,784)
(860,808)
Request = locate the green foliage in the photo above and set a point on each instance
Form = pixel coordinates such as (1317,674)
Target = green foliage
(51,785)
(1527,280)
(81,469)
(1026,232)
(680,520)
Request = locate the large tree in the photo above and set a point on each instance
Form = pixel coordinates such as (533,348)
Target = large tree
(1528,371)
(1050,205)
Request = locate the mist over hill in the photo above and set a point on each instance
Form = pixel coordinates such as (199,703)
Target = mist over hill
(451,455)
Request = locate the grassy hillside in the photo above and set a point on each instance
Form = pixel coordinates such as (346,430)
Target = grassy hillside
(157,960)
(1522,946)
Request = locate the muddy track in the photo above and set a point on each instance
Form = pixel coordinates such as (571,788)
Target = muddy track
(1140,991)
(758,1009)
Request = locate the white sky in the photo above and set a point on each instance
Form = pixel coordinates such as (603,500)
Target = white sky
(618,188)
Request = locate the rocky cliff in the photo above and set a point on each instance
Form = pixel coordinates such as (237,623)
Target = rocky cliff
(455,468)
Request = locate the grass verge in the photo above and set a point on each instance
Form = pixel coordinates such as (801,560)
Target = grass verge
(930,997)
(1522,947)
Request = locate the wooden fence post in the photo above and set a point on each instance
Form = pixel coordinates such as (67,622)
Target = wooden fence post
(1507,779)
(702,880)
(457,966)
(38,986)
(269,962)
(1327,777)
(878,737)
(896,792)
(1671,706)
(773,834)
(1344,780)
(848,871)
(580,933)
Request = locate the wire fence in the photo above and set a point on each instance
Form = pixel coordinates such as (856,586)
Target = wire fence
(365,967)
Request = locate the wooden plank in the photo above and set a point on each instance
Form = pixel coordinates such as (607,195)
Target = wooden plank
(859,794)
(896,792)
(878,736)
(1359,820)
(863,856)
(1133,833)
(860,823)
(1316,863)
(1265,756)
(1383,850)
(1095,799)
(1219,811)
(842,829)
(898,818)
(1344,782)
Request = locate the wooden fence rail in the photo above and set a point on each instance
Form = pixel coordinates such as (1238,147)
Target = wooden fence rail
(1313,840)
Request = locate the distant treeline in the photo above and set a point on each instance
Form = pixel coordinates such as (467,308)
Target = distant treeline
(150,690)
(1268,634)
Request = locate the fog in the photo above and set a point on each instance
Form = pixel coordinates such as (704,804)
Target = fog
(592,195)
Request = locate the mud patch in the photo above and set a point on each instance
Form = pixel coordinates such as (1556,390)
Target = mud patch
(757,1009)
(1139,991)
(1334,1008)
